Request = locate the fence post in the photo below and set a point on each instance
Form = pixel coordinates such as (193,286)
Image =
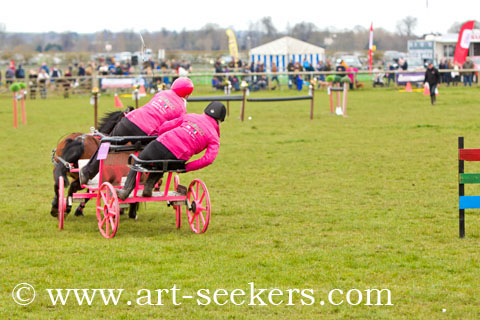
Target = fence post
(244,87)
(461,191)
(95,107)
(312,88)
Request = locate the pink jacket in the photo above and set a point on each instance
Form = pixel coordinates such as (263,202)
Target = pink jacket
(164,106)
(190,135)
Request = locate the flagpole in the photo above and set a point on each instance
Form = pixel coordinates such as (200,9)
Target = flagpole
(370,48)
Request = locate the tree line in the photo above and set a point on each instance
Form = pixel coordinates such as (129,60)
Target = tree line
(212,37)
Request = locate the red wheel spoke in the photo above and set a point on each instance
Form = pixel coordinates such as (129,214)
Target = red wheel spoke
(103,222)
(190,220)
(112,224)
(203,219)
(202,197)
(107,229)
(193,193)
(196,193)
(112,200)
(198,223)
(103,197)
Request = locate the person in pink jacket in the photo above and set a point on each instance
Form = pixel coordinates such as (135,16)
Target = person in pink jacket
(180,139)
(146,120)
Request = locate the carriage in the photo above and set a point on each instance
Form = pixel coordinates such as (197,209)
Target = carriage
(116,159)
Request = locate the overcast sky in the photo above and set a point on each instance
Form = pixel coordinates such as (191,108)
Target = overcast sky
(87,16)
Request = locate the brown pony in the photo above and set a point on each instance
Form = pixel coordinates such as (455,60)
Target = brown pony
(74,147)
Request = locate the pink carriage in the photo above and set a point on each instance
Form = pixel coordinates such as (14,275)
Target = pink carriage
(115,163)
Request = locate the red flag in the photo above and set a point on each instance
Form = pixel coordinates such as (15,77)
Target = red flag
(463,43)
(370,48)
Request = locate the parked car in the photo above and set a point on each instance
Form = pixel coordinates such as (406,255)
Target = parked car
(353,61)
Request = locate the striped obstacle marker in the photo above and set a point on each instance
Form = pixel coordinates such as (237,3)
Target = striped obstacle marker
(466,202)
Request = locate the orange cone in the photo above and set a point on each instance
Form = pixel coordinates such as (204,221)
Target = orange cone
(426,91)
(118,102)
(408,87)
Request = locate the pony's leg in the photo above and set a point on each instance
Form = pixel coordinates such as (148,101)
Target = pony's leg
(74,187)
(81,206)
(59,171)
(54,210)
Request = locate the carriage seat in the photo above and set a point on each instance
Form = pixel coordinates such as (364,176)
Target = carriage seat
(140,165)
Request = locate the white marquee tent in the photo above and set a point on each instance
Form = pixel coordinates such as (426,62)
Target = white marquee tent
(282,50)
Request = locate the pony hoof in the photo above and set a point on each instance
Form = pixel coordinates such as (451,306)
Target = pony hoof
(54,213)
(78,213)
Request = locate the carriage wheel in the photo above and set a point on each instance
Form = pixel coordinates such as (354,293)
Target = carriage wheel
(178,209)
(108,211)
(198,208)
(62,203)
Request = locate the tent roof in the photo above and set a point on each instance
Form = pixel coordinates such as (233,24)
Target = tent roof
(287,45)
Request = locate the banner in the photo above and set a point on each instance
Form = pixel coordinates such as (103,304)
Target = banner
(463,43)
(370,48)
(232,44)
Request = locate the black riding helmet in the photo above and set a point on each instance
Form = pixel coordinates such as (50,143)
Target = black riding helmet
(216,110)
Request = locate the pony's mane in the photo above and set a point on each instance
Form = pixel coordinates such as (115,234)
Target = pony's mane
(108,122)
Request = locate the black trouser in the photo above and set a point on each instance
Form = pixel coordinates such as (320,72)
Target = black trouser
(124,128)
(153,151)
(433,88)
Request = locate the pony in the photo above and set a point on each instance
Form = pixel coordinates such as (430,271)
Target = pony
(76,146)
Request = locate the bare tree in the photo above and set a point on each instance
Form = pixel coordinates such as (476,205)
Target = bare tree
(406,26)
(303,30)
(455,28)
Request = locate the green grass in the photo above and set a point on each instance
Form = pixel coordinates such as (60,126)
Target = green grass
(367,201)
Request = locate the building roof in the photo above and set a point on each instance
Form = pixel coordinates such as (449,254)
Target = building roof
(285,46)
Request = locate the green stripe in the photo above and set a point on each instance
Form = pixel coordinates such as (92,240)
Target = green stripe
(469,178)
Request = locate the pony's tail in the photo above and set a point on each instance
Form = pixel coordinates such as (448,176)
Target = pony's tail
(108,122)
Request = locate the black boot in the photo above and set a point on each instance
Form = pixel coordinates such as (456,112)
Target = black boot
(432,100)
(128,187)
(150,184)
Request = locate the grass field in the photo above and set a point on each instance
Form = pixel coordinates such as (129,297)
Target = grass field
(367,201)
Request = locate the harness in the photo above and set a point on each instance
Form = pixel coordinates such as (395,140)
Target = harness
(60,159)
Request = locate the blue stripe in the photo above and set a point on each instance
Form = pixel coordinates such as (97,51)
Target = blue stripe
(253,58)
(278,64)
(311,59)
(293,58)
(265,61)
(469,202)
(259,58)
(283,61)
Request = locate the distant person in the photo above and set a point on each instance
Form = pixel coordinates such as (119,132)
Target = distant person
(20,73)
(467,76)
(81,70)
(432,78)
(42,83)
(9,76)
(290,68)
(455,74)
(275,76)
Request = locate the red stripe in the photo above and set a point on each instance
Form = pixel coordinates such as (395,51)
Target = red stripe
(469,154)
